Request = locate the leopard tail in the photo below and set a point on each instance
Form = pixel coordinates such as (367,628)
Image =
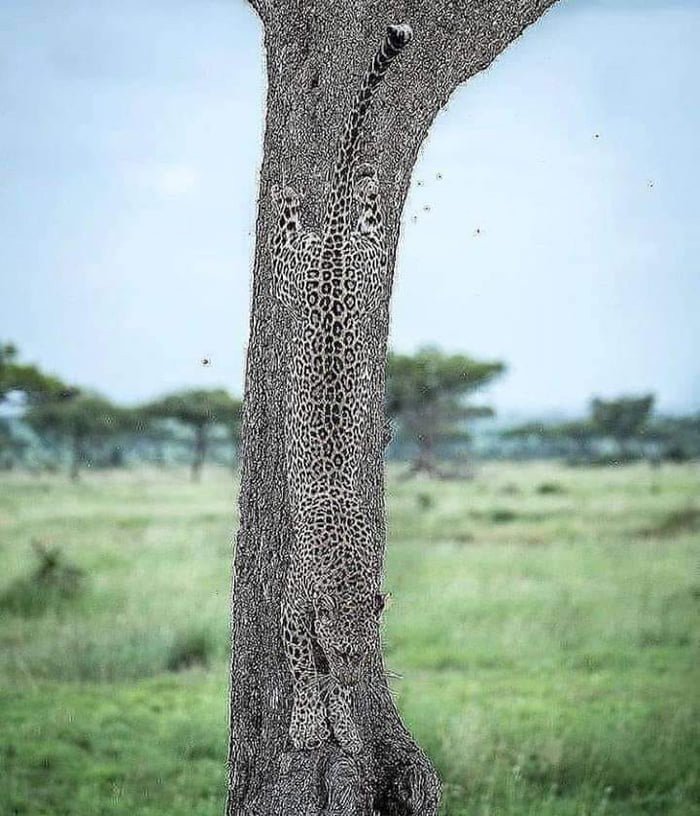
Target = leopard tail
(339,201)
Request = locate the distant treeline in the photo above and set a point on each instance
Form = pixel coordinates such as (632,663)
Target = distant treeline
(614,431)
(48,424)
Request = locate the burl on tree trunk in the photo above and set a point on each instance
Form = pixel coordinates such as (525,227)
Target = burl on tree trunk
(314,729)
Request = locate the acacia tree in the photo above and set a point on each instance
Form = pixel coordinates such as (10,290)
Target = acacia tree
(573,437)
(26,379)
(679,436)
(426,393)
(199,409)
(79,422)
(622,419)
(31,386)
(316,54)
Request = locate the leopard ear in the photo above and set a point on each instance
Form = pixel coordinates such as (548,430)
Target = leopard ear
(380,601)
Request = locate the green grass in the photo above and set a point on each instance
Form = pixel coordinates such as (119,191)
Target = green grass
(548,638)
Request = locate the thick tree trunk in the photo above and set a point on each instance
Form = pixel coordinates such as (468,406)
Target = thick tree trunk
(316,55)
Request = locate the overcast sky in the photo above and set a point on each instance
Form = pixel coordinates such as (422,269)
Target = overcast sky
(562,237)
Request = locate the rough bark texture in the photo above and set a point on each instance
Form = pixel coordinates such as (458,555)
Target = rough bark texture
(316,54)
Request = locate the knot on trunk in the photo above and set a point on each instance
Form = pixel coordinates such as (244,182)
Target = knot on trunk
(345,786)
(412,790)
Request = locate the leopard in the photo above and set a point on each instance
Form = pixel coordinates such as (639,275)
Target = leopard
(329,284)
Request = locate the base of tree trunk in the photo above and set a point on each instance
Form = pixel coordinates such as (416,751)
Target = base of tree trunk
(393,777)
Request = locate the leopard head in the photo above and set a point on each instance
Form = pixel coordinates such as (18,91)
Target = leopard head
(346,625)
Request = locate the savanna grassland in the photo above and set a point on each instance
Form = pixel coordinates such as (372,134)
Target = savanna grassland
(545,621)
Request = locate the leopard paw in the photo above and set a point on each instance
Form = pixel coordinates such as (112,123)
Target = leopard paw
(286,195)
(344,728)
(365,182)
(349,739)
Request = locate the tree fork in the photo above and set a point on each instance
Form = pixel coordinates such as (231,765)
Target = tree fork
(316,54)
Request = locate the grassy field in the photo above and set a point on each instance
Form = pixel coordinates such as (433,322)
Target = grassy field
(545,620)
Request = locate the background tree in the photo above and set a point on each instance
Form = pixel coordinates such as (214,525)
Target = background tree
(199,409)
(156,438)
(623,419)
(577,434)
(426,393)
(573,438)
(11,448)
(678,436)
(80,423)
(25,379)
(316,54)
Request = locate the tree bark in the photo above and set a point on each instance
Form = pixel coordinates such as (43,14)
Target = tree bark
(316,55)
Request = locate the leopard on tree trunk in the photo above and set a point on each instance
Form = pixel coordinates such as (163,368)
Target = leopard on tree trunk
(332,744)
(330,284)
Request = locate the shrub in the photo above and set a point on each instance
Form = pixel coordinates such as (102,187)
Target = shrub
(502,515)
(425,501)
(677,522)
(52,584)
(550,489)
(190,649)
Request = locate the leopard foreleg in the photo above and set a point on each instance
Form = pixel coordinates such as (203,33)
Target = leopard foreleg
(340,715)
(309,722)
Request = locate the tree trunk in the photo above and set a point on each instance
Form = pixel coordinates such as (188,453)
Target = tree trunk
(159,452)
(200,452)
(76,457)
(316,55)
(234,457)
(424,462)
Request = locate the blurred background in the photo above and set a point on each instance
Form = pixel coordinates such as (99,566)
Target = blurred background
(543,390)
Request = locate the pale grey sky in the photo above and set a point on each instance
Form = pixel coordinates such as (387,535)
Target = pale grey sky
(130,140)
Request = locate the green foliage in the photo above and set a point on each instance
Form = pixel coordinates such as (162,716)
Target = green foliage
(526,430)
(622,419)
(85,416)
(80,422)
(200,409)
(550,663)
(192,648)
(426,393)
(27,379)
(429,375)
(51,585)
(425,501)
(675,522)
(574,436)
(502,515)
(197,407)
(625,420)
(678,436)
(550,489)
